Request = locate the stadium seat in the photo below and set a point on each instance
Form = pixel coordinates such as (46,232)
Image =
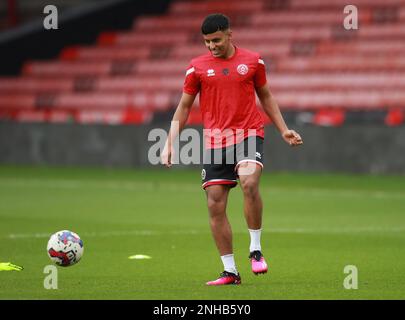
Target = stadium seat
(32,84)
(92,101)
(342,63)
(66,68)
(31,116)
(20,101)
(133,116)
(336,80)
(104,53)
(329,117)
(191,7)
(353,99)
(136,84)
(319,4)
(169,23)
(395,117)
(305,18)
(382,47)
(100,116)
(151,38)
(60,116)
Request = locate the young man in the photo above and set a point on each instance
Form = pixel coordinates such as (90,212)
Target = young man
(227,79)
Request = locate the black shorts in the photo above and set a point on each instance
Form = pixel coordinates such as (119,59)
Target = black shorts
(220,165)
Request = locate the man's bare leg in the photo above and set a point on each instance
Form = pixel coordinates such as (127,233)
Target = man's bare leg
(249,177)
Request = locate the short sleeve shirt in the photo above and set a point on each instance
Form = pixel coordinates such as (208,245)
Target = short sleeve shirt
(227,95)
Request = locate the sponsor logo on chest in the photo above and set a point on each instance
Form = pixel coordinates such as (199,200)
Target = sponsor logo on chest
(210,72)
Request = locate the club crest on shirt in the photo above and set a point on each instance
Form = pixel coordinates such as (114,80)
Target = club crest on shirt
(242,69)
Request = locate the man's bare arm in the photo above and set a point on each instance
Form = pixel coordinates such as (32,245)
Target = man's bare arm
(177,125)
(272,110)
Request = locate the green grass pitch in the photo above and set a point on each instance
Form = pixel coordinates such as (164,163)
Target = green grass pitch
(314,225)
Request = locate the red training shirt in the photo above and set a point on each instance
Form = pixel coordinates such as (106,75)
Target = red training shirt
(227,95)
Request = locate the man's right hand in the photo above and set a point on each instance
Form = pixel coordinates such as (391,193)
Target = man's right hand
(166,156)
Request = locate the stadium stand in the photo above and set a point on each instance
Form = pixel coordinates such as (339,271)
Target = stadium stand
(17,12)
(314,65)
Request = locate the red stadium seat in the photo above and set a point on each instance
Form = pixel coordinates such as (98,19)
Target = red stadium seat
(305,18)
(107,38)
(263,34)
(31,84)
(151,38)
(382,31)
(92,101)
(114,117)
(168,23)
(31,116)
(364,47)
(162,68)
(133,116)
(320,4)
(134,83)
(66,68)
(152,100)
(242,6)
(401,14)
(395,117)
(336,80)
(353,99)
(100,116)
(342,63)
(17,101)
(104,53)
(60,116)
(330,118)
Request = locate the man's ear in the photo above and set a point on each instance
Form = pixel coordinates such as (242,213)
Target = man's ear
(230,33)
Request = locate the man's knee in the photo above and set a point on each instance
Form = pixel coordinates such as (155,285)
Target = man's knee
(216,201)
(250,186)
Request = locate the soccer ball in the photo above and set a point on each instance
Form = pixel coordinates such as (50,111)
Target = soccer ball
(65,248)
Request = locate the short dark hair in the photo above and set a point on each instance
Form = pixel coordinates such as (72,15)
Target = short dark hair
(215,22)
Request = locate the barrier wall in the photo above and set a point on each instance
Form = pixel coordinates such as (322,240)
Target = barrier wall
(354,149)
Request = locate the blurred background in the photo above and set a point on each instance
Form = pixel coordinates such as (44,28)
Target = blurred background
(89,92)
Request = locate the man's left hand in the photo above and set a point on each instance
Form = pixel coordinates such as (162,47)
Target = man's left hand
(292,138)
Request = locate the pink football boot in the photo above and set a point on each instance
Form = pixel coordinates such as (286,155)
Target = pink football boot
(259,265)
(225,278)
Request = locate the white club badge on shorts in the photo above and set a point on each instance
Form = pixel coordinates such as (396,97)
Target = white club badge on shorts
(203,173)
(242,69)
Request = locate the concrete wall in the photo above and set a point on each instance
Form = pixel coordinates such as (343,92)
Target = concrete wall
(360,149)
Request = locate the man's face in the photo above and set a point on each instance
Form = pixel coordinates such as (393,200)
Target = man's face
(218,42)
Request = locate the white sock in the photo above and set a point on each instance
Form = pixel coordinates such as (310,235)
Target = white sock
(229,263)
(255,240)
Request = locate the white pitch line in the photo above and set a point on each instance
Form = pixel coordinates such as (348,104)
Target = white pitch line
(103,234)
(188,187)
